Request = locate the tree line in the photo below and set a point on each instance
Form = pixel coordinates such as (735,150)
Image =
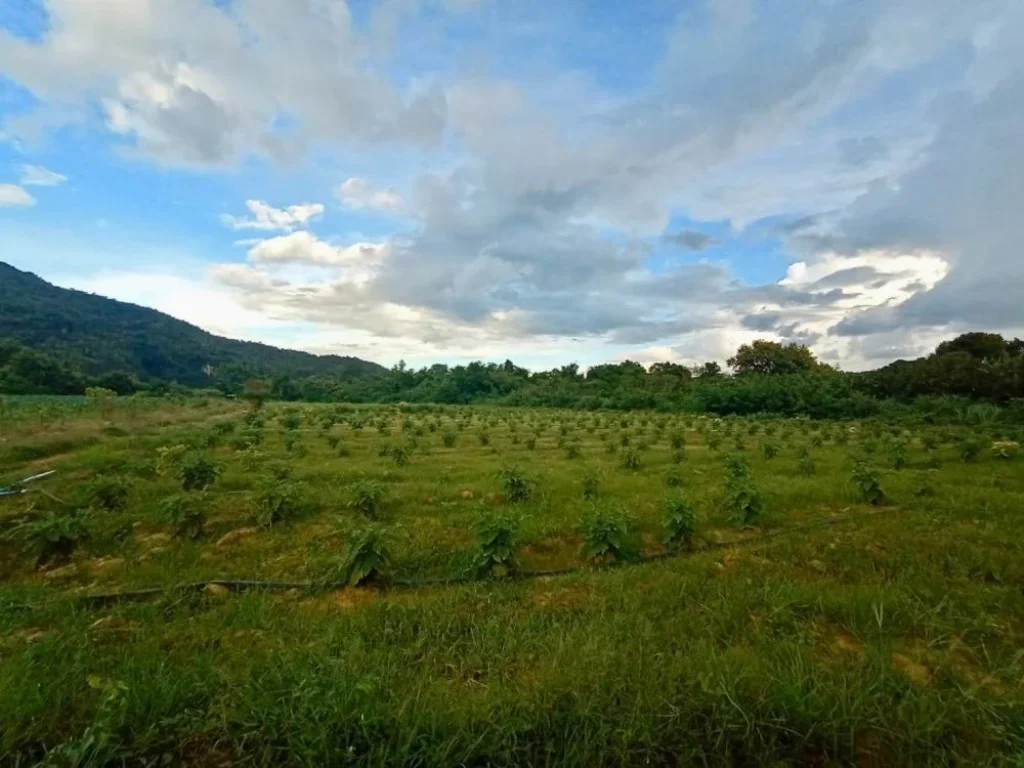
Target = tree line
(762,377)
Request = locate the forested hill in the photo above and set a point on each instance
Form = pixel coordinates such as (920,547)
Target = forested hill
(98,336)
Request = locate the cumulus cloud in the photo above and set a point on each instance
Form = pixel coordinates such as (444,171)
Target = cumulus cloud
(11,195)
(265,216)
(192,82)
(38,176)
(356,193)
(875,144)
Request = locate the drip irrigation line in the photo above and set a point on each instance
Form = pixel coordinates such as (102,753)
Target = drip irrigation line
(241,585)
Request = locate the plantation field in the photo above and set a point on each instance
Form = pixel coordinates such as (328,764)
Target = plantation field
(474,586)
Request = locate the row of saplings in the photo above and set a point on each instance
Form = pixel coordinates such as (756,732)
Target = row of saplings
(606,528)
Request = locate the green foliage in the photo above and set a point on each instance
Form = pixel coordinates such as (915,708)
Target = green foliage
(867,484)
(197,472)
(400,455)
(516,486)
(498,536)
(368,557)
(484,438)
(805,465)
(677,441)
(1005,449)
(184,512)
(278,504)
(291,421)
(680,521)
(630,460)
(769,450)
(969,449)
(108,493)
(448,439)
(591,485)
(898,455)
(366,496)
(572,451)
(674,479)
(742,500)
(606,535)
(53,536)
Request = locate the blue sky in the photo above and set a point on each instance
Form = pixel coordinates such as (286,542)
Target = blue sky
(446,180)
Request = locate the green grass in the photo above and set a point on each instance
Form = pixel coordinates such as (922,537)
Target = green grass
(891,636)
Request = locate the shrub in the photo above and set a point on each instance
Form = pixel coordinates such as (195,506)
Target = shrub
(630,460)
(277,504)
(742,499)
(674,479)
(184,513)
(573,451)
(498,536)
(531,443)
(333,441)
(591,485)
(448,439)
(677,441)
(606,535)
(898,455)
(680,522)
(291,421)
(969,449)
(677,457)
(197,472)
(109,493)
(54,536)
(400,455)
(367,558)
(366,496)
(805,465)
(517,488)
(769,450)
(484,438)
(1005,449)
(867,484)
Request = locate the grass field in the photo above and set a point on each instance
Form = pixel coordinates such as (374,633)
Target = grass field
(823,593)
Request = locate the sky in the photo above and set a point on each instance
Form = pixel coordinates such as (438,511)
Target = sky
(549,181)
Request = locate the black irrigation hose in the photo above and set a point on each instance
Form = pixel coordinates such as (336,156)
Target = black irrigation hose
(239,585)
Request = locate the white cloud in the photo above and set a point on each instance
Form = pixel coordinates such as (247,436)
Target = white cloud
(304,248)
(12,195)
(356,193)
(265,216)
(38,176)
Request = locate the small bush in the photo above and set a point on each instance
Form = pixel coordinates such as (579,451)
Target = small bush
(680,522)
(400,455)
(630,460)
(606,535)
(484,438)
(516,486)
(769,450)
(197,472)
(674,479)
(969,450)
(868,486)
(276,505)
(573,451)
(805,465)
(184,513)
(54,536)
(498,536)
(677,441)
(108,493)
(291,421)
(1005,449)
(366,496)
(898,455)
(677,457)
(591,485)
(367,558)
(448,439)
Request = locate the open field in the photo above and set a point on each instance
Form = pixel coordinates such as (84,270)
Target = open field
(824,592)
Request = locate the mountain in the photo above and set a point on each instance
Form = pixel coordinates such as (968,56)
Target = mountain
(98,335)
